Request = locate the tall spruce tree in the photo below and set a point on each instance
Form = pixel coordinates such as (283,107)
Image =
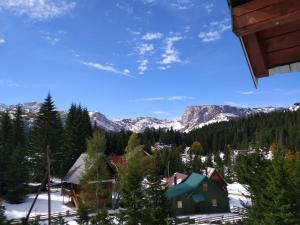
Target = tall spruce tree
(6,149)
(77,129)
(17,171)
(47,132)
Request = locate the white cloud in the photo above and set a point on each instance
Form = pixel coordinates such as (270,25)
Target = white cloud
(209,6)
(2,41)
(143,65)
(107,68)
(125,7)
(38,9)
(171,54)
(152,36)
(161,113)
(10,84)
(231,103)
(145,48)
(53,38)
(246,92)
(215,30)
(171,98)
(182,4)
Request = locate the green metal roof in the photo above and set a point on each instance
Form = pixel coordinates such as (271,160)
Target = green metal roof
(188,185)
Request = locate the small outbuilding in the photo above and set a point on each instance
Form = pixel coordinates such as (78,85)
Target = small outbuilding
(71,182)
(197,195)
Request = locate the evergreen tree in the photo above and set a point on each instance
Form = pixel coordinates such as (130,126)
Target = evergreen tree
(101,218)
(279,199)
(47,132)
(96,170)
(132,195)
(6,149)
(156,204)
(77,129)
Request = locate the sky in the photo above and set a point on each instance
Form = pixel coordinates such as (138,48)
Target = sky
(129,58)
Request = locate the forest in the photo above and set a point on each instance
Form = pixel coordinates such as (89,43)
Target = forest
(23,155)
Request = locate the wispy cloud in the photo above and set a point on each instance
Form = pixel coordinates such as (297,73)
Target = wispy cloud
(145,48)
(152,36)
(38,9)
(143,65)
(171,98)
(53,38)
(161,113)
(235,104)
(209,6)
(2,41)
(171,54)
(215,30)
(125,7)
(246,92)
(107,68)
(9,83)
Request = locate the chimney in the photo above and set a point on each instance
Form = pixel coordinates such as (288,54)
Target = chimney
(175,179)
(206,171)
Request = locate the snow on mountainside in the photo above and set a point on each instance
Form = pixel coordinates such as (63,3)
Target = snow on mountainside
(198,116)
(193,117)
(139,124)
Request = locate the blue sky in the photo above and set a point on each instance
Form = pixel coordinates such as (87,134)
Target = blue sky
(128,58)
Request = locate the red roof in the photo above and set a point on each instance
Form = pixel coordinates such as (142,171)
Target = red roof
(118,159)
(176,178)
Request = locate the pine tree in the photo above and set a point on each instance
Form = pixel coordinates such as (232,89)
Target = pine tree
(132,196)
(6,149)
(156,204)
(279,200)
(77,130)
(17,172)
(96,170)
(47,132)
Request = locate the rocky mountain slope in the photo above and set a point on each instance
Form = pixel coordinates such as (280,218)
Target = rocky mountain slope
(193,117)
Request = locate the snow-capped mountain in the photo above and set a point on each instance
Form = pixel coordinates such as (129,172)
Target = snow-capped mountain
(193,117)
(139,124)
(198,116)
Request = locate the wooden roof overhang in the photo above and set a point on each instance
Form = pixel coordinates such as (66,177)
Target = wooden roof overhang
(269,31)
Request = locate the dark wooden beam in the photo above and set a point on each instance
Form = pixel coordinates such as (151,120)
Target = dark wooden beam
(251,6)
(283,57)
(282,42)
(255,55)
(282,12)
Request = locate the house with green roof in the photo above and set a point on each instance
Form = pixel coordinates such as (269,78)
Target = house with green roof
(196,195)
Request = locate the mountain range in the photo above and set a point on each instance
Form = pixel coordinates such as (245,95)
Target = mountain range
(192,118)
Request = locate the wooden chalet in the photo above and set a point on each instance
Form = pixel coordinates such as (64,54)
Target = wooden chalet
(197,194)
(175,179)
(71,182)
(269,31)
(214,175)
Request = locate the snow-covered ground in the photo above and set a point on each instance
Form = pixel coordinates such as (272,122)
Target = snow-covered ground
(236,195)
(14,211)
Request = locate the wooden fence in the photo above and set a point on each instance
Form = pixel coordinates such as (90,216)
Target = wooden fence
(237,216)
(45,217)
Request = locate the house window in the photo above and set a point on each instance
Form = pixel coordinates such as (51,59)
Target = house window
(205,187)
(179,204)
(214,203)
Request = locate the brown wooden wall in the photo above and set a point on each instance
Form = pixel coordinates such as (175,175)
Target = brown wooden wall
(270,32)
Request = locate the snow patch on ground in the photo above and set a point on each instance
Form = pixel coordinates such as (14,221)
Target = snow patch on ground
(236,194)
(16,211)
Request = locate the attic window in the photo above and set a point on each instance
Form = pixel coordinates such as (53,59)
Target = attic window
(179,204)
(214,203)
(205,187)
